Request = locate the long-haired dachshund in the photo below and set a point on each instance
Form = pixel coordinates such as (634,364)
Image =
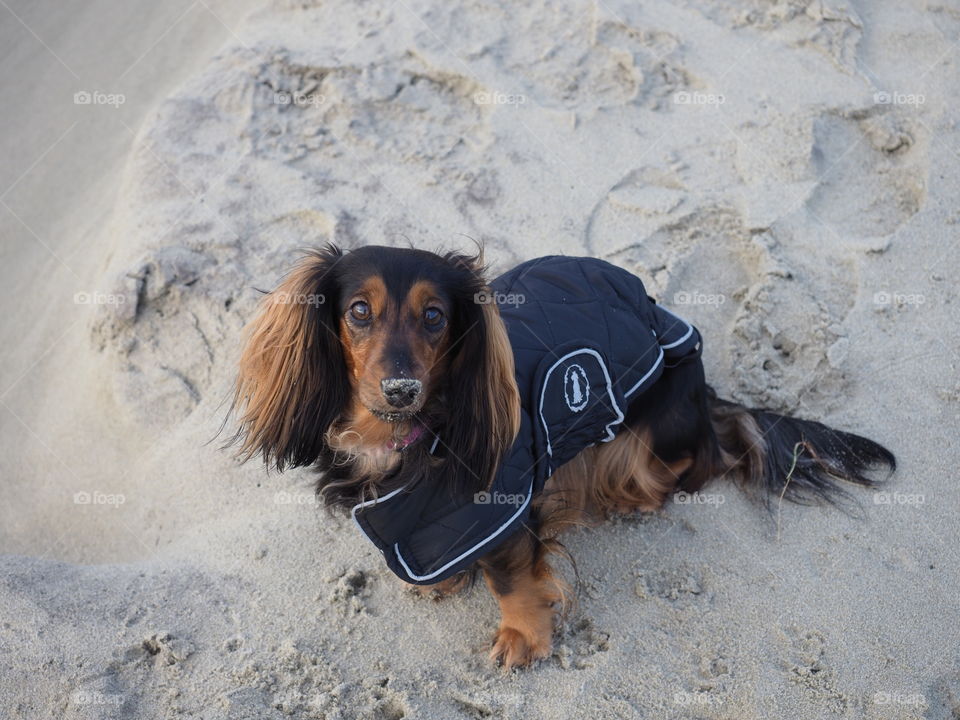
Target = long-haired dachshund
(463,424)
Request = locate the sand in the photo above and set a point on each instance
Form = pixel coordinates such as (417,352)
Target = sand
(782,174)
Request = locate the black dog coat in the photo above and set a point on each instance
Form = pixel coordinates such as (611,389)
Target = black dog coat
(587,341)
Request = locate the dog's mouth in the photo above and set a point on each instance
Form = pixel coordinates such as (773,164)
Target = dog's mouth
(392,416)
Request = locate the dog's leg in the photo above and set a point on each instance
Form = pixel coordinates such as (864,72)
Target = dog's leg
(523,583)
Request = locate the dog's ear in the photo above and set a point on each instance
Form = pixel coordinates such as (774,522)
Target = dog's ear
(293,382)
(482,388)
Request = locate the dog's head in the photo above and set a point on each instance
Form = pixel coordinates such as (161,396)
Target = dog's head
(377,338)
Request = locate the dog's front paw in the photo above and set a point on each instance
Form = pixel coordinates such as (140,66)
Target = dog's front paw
(514,648)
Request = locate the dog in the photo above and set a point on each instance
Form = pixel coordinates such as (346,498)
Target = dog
(463,424)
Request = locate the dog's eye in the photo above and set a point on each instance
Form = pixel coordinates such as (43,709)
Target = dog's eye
(433,318)
(360,311)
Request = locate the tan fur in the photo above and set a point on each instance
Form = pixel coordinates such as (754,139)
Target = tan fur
(527,613)
(422,294)
(501,383)
(620,476)
(360,352)
(737,430)
(273,378)
(363,430)
(372,459)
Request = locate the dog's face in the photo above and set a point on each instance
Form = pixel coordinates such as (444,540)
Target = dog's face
(395,328)
(367,342)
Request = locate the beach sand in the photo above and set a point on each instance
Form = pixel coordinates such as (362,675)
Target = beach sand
(783,174)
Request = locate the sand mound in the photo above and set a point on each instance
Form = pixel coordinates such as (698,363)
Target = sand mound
(275,147)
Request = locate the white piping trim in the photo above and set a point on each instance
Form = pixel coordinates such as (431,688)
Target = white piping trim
(606,374)
(368,503)
(685,337)
(461,556)
(642,380)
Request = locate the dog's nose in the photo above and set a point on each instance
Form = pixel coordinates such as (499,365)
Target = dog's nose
(401,392)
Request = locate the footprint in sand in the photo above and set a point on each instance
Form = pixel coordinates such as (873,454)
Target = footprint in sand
(831,27)
(872,169)
(579,642)
(680,584)
(774,337)
(807,666)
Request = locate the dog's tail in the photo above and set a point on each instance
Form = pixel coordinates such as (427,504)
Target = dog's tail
(784,457)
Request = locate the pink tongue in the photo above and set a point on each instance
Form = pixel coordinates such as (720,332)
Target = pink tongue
(415,432)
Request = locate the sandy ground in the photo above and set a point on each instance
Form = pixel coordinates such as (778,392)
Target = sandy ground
(784,174)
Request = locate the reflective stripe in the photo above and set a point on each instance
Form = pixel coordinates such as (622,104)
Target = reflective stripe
(461,556)
(368,503)
(642,380)
(685,337)
(606,374)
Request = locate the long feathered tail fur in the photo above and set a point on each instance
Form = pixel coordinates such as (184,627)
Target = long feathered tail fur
(799,460)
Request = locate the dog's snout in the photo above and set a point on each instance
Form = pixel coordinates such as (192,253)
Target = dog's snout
(401,392)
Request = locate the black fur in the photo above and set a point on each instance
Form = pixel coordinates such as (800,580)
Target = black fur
(804,459)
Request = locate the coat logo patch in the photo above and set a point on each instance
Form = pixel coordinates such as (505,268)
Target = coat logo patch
(576,388)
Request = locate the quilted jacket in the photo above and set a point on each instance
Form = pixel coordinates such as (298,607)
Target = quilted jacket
(587,341)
